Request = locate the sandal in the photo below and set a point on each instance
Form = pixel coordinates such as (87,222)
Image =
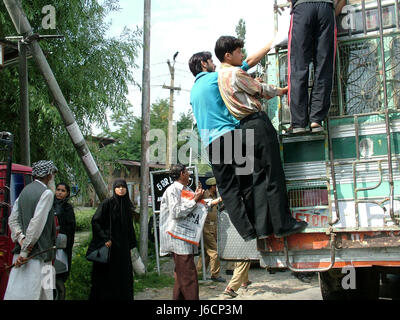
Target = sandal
(246,284)
(292,130)
(316,127)
(229,292)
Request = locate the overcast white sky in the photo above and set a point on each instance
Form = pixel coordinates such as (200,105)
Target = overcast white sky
(189,26)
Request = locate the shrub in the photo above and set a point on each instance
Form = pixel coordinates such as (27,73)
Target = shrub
(152,280)
(83,218)
(79,281)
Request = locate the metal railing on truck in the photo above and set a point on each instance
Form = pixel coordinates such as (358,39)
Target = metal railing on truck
(367,86)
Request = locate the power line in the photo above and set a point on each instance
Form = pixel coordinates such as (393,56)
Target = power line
(155,64)
(159,76)
(186,71)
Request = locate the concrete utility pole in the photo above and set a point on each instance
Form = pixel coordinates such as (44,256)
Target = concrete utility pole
(24,103)
(172,89)
(23,28)
(144,168)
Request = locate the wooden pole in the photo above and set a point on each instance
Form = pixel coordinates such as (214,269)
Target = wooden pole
(172,89)
(144,168)
(24,105)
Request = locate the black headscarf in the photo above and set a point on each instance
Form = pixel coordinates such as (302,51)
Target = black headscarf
(115,212)
(122,214)
(120,183)
(124,203)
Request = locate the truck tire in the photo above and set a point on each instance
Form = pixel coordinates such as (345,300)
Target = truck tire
(330,283)
(366,285)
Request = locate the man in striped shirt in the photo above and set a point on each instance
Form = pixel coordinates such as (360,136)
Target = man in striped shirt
(241,94)
(173,206)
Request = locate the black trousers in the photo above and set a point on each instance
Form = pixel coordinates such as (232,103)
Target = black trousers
(235,190)
(312,38)
(271,205)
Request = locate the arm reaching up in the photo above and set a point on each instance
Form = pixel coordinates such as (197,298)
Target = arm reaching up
(256,58)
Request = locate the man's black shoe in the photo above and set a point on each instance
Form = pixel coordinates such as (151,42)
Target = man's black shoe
(217,279)
(305,277)
(250,237)
(296,227)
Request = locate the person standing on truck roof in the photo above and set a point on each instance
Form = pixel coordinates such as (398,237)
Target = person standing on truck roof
(33,229)
(216,127)
(241,93)
(312,38)
(210,234)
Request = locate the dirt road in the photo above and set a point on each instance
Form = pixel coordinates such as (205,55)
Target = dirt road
(265,286)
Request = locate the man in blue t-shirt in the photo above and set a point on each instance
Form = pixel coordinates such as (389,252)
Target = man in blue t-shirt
(219,131)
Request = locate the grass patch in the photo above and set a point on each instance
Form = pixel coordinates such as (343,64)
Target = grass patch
(79,282)
(83,218)
(152,280)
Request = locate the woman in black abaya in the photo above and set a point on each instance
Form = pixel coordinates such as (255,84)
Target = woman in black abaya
(66,219)
(112,225)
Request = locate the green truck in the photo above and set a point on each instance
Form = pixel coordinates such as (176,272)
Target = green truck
(344,181)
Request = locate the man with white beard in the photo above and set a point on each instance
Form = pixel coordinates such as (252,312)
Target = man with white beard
(33,230)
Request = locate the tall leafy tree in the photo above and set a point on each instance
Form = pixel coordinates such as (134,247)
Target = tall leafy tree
(128,133)
(240,30)
(185,121)
(92,69)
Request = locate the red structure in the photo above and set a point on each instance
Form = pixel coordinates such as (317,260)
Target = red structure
(13,179)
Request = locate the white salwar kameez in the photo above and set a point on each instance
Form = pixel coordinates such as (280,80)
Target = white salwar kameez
(30,281)
(34,280)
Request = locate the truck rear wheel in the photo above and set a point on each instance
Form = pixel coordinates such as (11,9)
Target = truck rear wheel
(366,285)
(330,283)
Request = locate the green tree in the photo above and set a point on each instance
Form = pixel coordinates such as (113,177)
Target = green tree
(159,115)
(92,69)
(185,121)
(129,131)
(128,134)
(241,33)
